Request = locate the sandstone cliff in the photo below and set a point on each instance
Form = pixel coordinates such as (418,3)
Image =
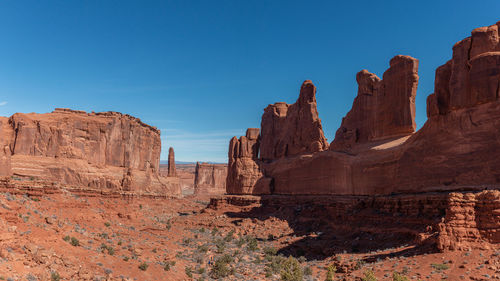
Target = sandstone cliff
(383,108)
(106,150)
(376,150)
(210,179)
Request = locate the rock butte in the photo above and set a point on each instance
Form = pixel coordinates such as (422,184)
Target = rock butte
(376,150)
(210,179)
(106,151)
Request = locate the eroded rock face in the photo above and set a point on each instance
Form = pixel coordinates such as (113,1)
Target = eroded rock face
(292,129)
(244,175)
(107,150)
(383,108)
(210,178)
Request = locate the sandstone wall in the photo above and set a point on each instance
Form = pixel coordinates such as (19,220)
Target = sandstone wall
(383,108)
(210,178)
(376,150)
(107,150)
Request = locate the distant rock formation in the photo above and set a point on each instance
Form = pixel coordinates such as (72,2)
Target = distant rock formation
(376,151)
(104,151)
(210,179)
(171,162)
(383,108)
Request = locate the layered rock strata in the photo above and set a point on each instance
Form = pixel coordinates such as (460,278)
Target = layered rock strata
(103,151)
(210,179)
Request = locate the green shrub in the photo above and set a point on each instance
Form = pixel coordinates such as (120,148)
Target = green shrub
(107,224)
(74,242)
(221,267)
(308,271)
(252,244)
(369,276)
(54,276)
(66,238)
(270,251)
(291,270)
(440,266)
(189,271)
(143,266)
(399,277)
(330,273)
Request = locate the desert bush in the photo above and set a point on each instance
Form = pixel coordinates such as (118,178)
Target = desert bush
(270,251)
(369,276)
(66,238)
(143,266)
(74,242)
(252,244)
(399,277)
(291,270)
(330,273)
(440,266)
(107,224)
(54,276)
(221,267)
(189,271)
(203,248)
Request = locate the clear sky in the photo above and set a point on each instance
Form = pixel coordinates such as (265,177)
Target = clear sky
(203,71)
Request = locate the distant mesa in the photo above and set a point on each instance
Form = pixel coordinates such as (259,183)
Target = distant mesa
(104,151)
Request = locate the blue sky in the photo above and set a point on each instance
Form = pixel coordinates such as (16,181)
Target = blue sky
(203,71)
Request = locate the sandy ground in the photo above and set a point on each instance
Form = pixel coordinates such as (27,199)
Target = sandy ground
(96,238)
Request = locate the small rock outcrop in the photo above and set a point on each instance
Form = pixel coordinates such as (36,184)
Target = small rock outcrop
(103,151)
(470,218)
(171,163)
(383,108)
(210,179)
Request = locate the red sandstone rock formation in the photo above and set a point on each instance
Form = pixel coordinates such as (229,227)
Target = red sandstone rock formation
(470,219)
(107,150)
(383,108)
(210,178)
(244,175)
(457,148)
(171,162)
(292,129)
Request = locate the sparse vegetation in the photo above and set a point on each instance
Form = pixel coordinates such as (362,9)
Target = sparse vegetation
(189,271)
(107,224)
